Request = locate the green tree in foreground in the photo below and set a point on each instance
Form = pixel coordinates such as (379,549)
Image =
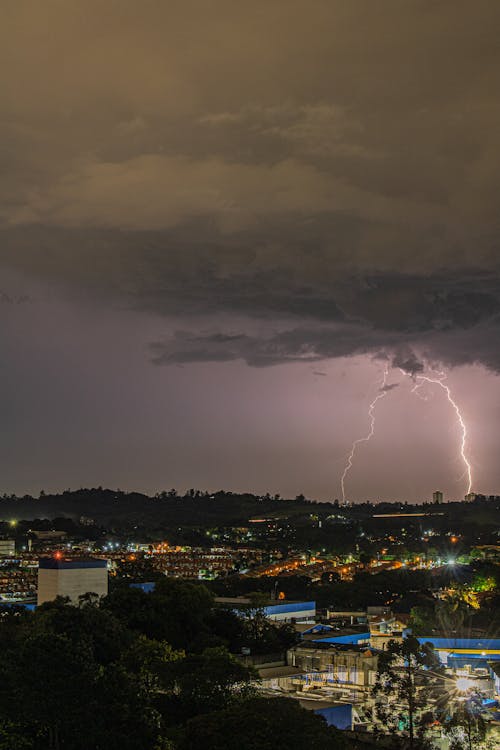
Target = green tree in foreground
(11,738)
(75,678)
(466,730)
(261,724)
(210,681)
(406,671)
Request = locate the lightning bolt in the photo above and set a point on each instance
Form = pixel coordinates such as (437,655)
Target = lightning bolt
(371,413)
(463,441)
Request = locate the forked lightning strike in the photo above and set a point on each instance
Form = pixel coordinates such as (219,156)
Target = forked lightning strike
(439,381)
(371,414)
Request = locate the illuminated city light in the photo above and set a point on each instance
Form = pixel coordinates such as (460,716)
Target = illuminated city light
(464,684)
(371,413)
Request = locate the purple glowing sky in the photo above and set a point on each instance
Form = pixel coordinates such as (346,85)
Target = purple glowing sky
(214,227)
(82,404)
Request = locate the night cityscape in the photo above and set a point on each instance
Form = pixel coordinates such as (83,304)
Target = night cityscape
(250,383)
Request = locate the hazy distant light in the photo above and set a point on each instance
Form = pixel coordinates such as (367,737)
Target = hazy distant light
(464,684)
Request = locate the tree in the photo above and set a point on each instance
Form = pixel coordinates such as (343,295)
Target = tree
(152,661)
(97,629)
(451,614)
(466,729)
(261,724)
(12,737)
(49,686)
(210,681)
(71,678)
(422,620)
(176,611)
(330,576)
(406,671)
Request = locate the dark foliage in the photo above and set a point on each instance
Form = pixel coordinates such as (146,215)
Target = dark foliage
(261,724)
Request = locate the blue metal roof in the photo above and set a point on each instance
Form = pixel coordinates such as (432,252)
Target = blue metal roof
(52,563)
(318,628)
(278,609)
(146,587)
(349,639)
(30,606)
(483,644)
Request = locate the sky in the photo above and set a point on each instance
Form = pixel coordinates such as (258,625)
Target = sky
(221,222)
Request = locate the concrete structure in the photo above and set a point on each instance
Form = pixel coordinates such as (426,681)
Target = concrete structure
(7,547)
(437,497)
(494,671)
(71,577)
(343,668)
(385,628)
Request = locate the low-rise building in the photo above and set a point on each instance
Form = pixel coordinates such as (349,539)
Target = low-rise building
(7,547)
(340,667)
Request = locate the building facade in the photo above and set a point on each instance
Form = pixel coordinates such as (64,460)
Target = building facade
(71,578)
(7,547)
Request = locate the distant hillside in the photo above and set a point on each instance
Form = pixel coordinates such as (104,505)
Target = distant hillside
(195,508)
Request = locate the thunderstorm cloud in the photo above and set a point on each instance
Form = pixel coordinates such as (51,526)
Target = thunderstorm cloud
(269,183)
(218,167)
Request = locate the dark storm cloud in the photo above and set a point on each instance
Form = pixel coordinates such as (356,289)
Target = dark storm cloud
(331,180)
(408,361)
(389,387)
(291,345)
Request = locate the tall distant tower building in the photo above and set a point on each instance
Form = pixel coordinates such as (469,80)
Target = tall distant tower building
(437,497)
(71,577)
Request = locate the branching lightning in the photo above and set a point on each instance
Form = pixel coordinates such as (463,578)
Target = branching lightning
(371,413)
(419,381)
(463,441)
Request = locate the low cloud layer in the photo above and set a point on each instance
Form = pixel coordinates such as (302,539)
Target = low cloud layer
(328,177)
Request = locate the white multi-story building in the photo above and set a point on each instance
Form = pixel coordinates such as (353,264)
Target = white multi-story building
(71,577)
